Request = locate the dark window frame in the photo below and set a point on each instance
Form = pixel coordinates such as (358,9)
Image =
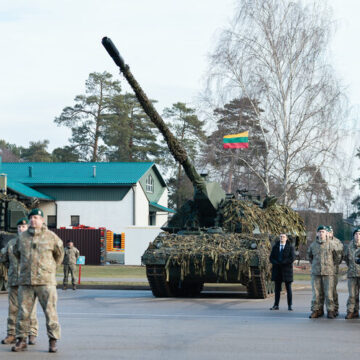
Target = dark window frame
(52,224)
(152,218)
(74,223)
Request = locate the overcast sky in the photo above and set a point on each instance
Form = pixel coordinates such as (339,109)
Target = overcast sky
(48,48)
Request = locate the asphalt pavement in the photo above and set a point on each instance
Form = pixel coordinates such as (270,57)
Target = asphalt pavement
(119,324)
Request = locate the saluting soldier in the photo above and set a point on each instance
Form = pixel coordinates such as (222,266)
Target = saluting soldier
(352,255)
(39,250)
(70,258)
(9,258)
(323,257)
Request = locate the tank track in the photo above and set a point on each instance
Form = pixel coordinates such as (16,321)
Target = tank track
(156,275)
(258,287)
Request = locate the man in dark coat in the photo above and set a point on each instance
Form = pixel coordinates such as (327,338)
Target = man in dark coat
(282,257)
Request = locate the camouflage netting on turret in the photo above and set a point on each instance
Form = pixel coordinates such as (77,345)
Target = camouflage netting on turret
(195,254)
(245,216)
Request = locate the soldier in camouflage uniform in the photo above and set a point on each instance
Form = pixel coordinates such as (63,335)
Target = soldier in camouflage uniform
(12,262)
(70,258)
(323,257)
(39,250)
(352,255)
(339,248)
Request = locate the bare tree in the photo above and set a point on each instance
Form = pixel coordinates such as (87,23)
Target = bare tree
(275,51)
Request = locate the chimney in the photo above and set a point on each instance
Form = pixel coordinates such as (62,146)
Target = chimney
(94,171)
(30,171)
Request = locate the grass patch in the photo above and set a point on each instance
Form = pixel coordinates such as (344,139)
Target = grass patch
(110,271)
(302,277)
(114,283)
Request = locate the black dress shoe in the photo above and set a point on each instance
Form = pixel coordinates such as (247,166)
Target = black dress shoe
(290,308)
(275,307)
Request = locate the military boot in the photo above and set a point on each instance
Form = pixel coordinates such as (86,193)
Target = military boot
(10,339)
(350,315)
(336,313)
(321,312)
(315,314)
(74,287)
(331,315)
(32,340)
(52,346)
(64,287)
(356,313)
(20,345)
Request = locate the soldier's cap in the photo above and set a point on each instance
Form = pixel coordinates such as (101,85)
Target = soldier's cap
(356,230)
(322,227)
(22,221)
(36,212)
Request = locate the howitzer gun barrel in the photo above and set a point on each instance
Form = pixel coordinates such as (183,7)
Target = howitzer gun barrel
(176,149)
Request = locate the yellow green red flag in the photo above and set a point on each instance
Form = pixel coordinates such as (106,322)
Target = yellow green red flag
(236,141)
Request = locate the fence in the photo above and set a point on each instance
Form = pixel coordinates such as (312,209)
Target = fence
(86,240)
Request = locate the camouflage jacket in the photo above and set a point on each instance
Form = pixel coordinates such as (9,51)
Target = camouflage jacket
(71,255)
(323,257)
(351,254)
(8,257)
(39,251)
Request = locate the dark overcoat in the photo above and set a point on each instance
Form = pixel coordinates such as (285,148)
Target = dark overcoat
(282,267)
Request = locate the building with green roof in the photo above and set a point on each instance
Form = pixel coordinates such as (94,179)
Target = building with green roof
(114,195)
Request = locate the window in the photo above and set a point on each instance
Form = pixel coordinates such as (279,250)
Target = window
(51,221)
(152,218)
(149,184)
(75,220)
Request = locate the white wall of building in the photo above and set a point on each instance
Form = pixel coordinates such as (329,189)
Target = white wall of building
(141,207)
(162,217)
(114,215)
(137,239)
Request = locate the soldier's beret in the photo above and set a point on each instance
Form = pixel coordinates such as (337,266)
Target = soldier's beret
(330,228)
(356,230)
(36,212)
(22,221)
(321,227)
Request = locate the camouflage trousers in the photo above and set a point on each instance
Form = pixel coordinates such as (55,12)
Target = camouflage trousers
(335,295)
(322,290)
(353,300)
(72,270)
(3,277)
(47,296)
(13,312)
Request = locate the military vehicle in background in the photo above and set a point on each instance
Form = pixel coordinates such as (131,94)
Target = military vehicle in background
(11,210)
(214,238)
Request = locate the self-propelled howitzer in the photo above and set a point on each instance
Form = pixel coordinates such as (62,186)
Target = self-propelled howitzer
(212,238)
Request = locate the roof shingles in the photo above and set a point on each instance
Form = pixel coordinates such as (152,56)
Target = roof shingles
(111,173)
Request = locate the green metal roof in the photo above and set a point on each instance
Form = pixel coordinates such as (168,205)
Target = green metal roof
(26,191)
(70,173)
(160,207)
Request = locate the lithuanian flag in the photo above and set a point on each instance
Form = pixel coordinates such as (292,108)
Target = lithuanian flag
(236,141)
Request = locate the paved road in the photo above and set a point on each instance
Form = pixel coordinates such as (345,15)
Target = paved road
(108,324)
